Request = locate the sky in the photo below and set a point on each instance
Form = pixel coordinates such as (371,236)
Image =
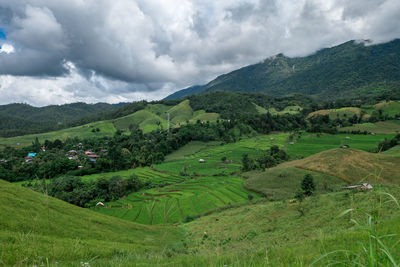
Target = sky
(64,51)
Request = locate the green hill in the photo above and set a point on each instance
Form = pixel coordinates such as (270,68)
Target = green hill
(17,119)
(149,118)
(344,71)
(35,229)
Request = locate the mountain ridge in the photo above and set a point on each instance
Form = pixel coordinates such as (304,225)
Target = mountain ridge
(350,69)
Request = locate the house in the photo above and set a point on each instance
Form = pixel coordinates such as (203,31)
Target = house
(72,151)
(201,161)
(93,156)
(73,157)
(28,159)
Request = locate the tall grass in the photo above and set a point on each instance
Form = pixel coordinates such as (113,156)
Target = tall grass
(377,248)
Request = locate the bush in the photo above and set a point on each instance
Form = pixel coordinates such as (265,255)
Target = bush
(307,185)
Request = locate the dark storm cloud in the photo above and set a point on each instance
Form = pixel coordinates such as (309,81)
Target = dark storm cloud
(123,47)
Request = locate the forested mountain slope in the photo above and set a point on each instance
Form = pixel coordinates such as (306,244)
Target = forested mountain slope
(347,70)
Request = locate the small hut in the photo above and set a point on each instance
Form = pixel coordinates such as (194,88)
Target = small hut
(201,161)
(101,204)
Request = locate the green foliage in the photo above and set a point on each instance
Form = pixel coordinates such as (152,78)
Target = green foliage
(387,144)
(344,71)
(307,185)
(26,119)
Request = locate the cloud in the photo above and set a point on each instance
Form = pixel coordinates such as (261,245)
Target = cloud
(7,48)
(124,49)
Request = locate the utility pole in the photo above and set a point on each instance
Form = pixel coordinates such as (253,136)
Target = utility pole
(168,122)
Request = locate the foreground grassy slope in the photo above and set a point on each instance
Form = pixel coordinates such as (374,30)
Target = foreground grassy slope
(34,227)
(291,237)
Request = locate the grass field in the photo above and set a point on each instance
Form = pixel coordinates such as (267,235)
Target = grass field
(293,239)
(282,183)
(35,229)
(189,149)
(213,155)
(381,127)
(85,131)
(391,108)
(310,144)
(351,165)
(342,113)
(174,203)
(394,151)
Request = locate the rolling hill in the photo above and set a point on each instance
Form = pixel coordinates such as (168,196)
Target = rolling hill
(148,118)
(348,70)
(17,119)
(35,228)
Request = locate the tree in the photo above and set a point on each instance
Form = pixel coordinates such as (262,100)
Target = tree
(307,185)
(246,162)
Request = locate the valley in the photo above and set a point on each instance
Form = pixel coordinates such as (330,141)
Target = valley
(220,177)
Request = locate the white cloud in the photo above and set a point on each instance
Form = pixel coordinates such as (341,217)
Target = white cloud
(127,49)
(7,48)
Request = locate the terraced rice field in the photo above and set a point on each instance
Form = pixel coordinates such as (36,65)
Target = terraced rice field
(174,203)
(145,174)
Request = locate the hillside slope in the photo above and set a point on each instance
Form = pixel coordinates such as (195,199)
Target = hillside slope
(17,119)
(34,227)
(347,70)
(351,165)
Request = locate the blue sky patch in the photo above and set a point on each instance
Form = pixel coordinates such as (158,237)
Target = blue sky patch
(2,34)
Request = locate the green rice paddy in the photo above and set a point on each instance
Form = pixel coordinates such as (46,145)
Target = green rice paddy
(174,203)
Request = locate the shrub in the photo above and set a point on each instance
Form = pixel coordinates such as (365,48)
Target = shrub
(307,185)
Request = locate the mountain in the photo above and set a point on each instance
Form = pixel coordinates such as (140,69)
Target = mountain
(22,118)
(348,70)
(185,92)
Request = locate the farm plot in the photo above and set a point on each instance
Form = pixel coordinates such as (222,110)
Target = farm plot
(145,174)
(310,144)
(175,203)
(380,127)
(214,154)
